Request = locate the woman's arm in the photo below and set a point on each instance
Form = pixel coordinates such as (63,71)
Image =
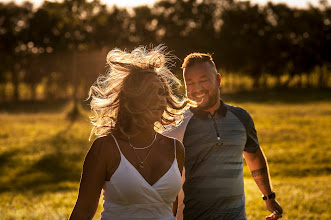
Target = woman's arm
(91,183)
(180,154)
(175,207)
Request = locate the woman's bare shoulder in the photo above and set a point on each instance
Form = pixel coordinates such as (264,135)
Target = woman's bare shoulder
(104,145)
(179,145)
(106,152)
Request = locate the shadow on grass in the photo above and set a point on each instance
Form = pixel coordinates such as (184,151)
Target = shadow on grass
(57,170)
(38,106)
(50,171)
(6,159)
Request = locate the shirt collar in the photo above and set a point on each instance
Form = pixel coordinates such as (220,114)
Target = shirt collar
(203,114)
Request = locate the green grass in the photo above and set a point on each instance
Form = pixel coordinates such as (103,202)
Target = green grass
(41,155)
(300,197)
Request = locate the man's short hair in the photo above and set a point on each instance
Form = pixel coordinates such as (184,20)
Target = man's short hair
(195,58)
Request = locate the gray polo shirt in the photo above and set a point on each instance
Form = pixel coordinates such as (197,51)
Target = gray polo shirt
(214,145)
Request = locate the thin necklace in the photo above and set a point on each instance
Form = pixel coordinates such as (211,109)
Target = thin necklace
(142,148)
(141,163)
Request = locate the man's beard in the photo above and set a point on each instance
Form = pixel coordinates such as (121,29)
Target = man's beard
(212,100)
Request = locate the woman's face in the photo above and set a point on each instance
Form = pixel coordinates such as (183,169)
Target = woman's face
(158,104)
(151,102)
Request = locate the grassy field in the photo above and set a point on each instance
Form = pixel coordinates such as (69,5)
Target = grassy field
(41,155)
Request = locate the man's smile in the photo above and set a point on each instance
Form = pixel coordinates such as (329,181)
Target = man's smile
(200,95)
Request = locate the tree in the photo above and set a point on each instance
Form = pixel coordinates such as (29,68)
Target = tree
(13,20)
(242,39)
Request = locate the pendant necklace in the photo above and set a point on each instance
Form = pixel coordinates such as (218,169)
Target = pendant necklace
(141,162)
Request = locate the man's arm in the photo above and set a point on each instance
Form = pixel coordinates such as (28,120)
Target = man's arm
(259,169)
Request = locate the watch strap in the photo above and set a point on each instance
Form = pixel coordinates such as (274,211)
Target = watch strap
(271,196)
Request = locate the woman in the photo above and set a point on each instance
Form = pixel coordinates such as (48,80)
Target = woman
(138,168)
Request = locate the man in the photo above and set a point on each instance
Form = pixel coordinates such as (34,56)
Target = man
(216,136)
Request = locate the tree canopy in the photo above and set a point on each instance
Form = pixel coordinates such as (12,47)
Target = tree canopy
(49,43)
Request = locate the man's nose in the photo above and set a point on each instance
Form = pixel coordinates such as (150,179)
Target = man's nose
(196,87)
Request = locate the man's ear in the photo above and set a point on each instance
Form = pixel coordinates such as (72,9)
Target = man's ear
(219,79)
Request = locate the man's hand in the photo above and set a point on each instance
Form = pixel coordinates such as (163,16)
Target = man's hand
(274,207)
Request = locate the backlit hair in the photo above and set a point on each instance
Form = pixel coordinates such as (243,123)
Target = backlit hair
(194,58)
(122,98)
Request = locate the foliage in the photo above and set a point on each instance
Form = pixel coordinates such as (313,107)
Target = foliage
(274,39)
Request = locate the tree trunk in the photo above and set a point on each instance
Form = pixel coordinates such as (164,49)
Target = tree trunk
(300,83)
(287,82)
(265,82)
(327,70)
(48,90)
(74,113)
(15,82)
(33,91)
(3,92)
(308,84)
(74,80)
(323,77)
(256,82)
(278,81)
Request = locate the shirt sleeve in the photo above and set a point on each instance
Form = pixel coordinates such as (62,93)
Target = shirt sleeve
(252,143)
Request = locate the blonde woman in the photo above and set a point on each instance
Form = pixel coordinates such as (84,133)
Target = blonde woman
(138,168)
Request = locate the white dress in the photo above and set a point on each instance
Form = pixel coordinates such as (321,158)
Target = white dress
(127,195)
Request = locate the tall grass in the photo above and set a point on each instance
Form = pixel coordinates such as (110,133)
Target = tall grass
(41,155)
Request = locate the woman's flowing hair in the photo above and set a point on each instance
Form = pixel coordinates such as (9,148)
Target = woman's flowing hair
(122,99)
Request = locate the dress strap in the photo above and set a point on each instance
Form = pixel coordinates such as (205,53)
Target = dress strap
(116,143)
(175,146)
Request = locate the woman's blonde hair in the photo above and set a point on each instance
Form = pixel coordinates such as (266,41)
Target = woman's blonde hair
(121,99)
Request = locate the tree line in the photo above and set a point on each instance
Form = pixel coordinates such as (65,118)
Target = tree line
(63,45)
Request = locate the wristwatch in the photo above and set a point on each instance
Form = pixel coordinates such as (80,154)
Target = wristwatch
(271,196)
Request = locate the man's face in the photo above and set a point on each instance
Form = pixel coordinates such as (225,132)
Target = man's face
(202,85)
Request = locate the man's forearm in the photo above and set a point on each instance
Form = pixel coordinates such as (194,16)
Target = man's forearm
(257,163)
(259,170)
(262,180)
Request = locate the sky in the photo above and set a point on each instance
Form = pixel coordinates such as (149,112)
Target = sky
(133,3)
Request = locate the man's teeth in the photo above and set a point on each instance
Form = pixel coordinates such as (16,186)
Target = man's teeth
(200,95)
